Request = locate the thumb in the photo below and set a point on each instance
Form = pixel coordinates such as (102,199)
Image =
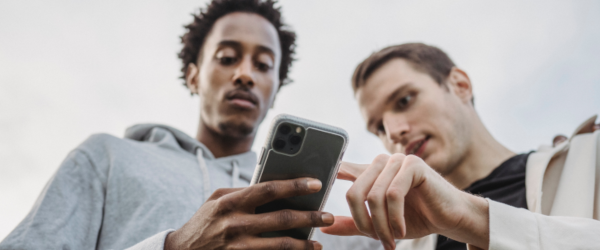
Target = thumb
(351,171)
(343,226)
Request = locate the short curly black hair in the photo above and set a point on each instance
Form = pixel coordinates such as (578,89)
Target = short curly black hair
(197,31)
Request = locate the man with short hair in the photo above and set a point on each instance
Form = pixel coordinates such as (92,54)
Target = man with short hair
(445,161)
(113,193)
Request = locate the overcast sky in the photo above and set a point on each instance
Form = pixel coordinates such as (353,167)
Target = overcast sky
(69,69)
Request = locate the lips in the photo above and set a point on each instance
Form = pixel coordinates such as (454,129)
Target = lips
(417,147)
(242,98)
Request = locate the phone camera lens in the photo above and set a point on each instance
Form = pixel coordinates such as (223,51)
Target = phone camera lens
(285,129)
(279,144)
(295,140)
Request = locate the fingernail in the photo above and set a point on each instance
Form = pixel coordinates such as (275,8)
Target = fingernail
(388,246)
(317,245)
(314,184)
(327,218)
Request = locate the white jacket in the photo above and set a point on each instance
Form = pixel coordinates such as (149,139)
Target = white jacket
(563,196)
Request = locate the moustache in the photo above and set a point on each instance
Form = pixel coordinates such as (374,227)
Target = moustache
(242,93)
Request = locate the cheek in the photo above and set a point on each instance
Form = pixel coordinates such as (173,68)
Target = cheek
(212,80)
(432,119)
(267,86)
(446,146)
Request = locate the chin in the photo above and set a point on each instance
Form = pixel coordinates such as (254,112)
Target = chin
(440,164)
(237,127)
(434,162)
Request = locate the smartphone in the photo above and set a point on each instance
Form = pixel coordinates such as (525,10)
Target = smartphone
(295,148)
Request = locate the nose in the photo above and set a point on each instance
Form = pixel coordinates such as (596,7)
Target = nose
(243,73)
(396,127)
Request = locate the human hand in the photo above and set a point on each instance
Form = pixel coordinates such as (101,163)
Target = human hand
(589,126)
(227,219)
(408,199)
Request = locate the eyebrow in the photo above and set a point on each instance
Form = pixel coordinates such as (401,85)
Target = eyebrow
(265,49)
(229,43)
(238,45)
(397,92)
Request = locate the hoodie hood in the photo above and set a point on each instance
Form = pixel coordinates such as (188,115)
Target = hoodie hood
(169,137)
(150,133)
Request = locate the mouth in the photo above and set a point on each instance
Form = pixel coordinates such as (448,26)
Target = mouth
(243,99)
(417,147)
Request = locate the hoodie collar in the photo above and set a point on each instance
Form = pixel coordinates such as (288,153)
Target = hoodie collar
(143,132)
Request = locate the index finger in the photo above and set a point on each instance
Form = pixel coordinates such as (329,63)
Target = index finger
(350,171)
(268,191)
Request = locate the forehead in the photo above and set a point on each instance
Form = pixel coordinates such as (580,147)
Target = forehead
(246,28)
(390,76)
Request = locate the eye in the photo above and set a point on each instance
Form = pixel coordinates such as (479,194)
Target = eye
(263,67)
(263,62)
(405,102)
(227,56)
(226,60)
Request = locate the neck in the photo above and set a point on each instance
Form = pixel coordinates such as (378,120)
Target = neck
(222,146)
(483,155)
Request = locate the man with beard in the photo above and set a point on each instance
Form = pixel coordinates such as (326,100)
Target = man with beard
(160,188)
(445,161)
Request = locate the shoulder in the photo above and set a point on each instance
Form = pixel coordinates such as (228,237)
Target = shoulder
(102,144)
(103,150)
(108,151)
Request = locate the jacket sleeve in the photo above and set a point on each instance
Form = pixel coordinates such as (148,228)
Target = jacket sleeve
(517,228)
(155,242)
(68,212)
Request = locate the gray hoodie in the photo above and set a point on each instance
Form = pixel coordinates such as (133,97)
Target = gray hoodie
(113,193)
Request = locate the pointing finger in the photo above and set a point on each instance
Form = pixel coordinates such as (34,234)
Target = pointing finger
(357,195)
(343,226)
(351,171)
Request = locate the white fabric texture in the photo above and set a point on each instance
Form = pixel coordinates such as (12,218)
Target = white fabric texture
(564,197)
(517,228)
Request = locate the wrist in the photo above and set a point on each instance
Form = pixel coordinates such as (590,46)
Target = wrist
(170,241)
(474,226)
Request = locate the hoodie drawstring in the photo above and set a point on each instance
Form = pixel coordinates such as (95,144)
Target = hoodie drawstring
(205,175)
(235,174)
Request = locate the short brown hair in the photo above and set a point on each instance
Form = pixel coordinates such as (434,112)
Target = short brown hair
(422,57)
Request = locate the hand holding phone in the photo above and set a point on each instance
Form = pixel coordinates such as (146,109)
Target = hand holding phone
(229,214)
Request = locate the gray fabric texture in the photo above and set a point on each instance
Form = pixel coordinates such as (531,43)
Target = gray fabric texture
(114,193)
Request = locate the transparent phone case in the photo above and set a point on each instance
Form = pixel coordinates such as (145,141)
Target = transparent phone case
(319,157)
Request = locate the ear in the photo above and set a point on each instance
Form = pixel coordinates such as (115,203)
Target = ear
(460,85)
(191,78)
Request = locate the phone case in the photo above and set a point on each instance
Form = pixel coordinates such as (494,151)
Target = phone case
(319,157)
